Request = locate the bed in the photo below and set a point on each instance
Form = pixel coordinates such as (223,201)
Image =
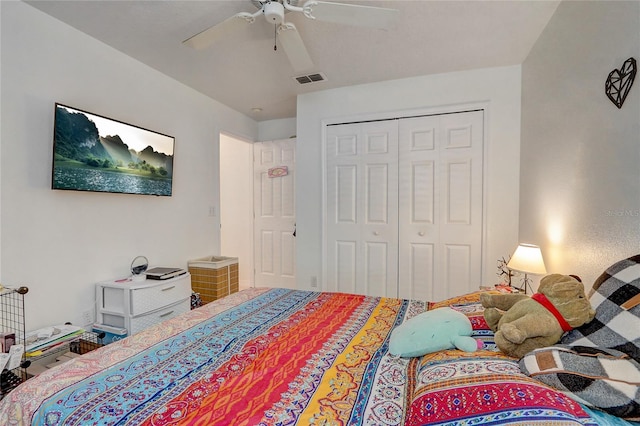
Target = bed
(284,357)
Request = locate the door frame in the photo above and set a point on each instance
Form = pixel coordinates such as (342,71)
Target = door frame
(246,261)
(399,114)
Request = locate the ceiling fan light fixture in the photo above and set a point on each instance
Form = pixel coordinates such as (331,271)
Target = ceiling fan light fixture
(287,33)
(274,12)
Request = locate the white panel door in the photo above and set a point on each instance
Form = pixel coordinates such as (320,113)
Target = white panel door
(362,208)
(440,209)
(274,213)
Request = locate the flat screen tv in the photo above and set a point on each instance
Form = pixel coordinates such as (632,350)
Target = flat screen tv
(95,153)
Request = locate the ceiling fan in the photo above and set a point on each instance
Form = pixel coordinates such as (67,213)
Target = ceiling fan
(274,12)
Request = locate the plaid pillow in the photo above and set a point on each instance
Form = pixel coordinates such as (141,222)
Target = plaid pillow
(617,323)
(599,363)
(602,378)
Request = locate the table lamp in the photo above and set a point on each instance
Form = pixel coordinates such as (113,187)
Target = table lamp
(527,259)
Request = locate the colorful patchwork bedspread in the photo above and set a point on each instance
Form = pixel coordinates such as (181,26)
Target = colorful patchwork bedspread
(287,357)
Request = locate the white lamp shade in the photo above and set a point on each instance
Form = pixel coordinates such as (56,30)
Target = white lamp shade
(528,259)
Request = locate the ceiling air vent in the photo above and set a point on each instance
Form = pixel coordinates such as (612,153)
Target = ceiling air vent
(311,78)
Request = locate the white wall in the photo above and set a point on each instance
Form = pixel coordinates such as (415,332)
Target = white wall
(273,130)
(59,243)
(236,204)
(498,88)
(580,174)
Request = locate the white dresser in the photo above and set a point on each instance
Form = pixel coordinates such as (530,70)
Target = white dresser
(136,305)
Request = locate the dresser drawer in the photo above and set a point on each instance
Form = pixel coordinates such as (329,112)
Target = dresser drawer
(141,322)
(136,305)
(147,299)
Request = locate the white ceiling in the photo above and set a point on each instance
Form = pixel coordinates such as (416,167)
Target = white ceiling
(244,72)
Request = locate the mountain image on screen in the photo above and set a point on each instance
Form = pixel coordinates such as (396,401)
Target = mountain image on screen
(84,160)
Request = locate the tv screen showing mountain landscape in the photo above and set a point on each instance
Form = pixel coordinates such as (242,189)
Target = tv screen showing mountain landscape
(94,153)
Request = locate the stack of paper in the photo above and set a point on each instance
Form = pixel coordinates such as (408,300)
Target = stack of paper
(45,339)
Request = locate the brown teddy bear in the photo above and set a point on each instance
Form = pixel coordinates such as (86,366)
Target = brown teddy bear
(522,323)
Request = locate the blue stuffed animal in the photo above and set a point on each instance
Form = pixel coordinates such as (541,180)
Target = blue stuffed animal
(433,331)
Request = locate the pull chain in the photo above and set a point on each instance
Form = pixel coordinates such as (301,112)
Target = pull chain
(275,38)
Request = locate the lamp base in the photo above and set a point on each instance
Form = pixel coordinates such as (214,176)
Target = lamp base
(526,282)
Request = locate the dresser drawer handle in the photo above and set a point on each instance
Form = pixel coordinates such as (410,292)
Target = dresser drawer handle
(166,314)
(169,288)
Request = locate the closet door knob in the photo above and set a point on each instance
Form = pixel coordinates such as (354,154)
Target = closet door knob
(421,233)
(376,233)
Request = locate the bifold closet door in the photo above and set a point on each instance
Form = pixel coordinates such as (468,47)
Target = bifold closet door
(440,208)
(362,208)
(404,206)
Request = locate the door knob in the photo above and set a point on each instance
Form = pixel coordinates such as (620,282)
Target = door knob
(421,233)
(376,233)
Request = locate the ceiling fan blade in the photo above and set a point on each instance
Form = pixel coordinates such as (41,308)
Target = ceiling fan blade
(228,26)
(351,14)
(294,47)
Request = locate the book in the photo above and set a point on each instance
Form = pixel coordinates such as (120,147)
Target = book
(163,273)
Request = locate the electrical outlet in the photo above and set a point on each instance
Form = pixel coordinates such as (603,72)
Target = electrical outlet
(87,317)
(314,282)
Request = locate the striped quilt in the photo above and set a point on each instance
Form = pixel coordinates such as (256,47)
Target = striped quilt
(287,357)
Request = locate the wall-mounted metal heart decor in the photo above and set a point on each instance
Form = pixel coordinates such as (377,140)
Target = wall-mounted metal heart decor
(620,81)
